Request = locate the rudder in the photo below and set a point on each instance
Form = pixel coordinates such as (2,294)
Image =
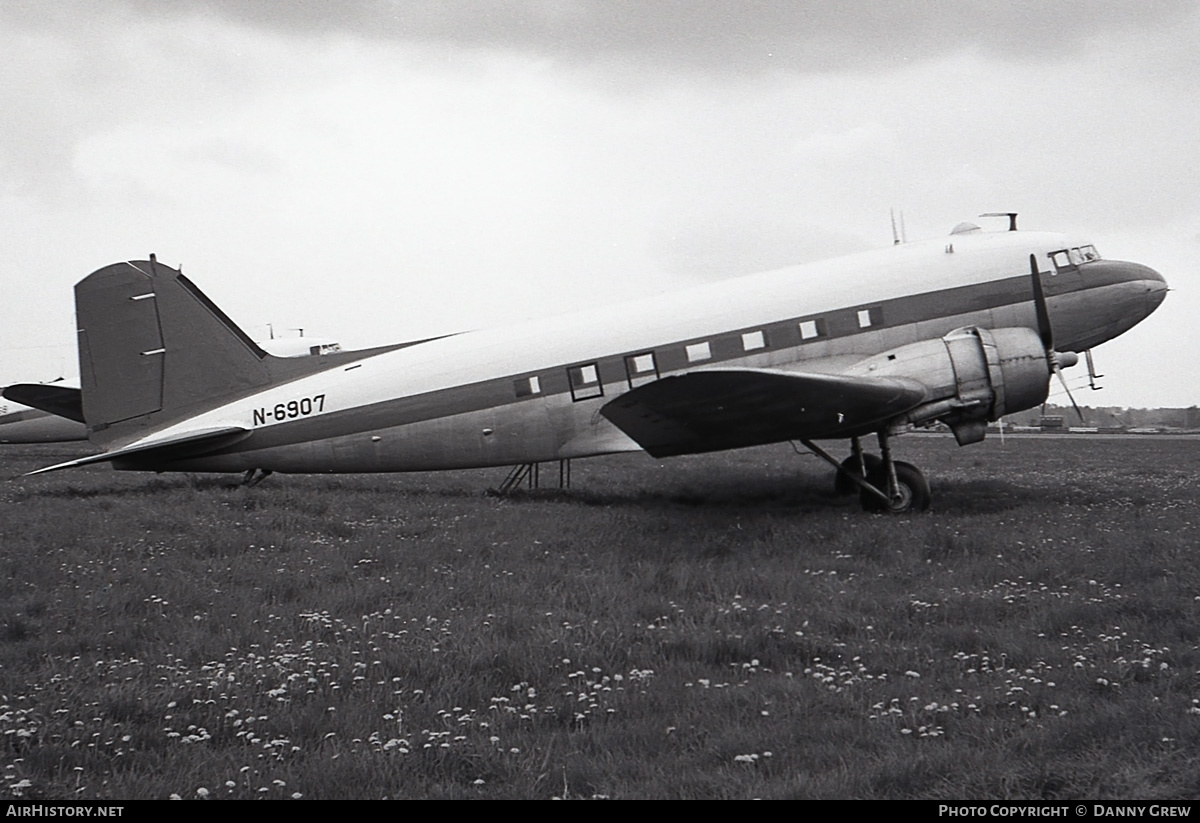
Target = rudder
(153,347)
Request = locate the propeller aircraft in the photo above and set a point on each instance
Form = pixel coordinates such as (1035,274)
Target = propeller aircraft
(960,331)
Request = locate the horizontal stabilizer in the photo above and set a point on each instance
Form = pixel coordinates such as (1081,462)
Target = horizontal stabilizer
(60,400)
(731,408)
(148,453)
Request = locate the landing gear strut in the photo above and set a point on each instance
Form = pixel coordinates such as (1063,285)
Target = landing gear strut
(859,464)
(884,484)
(255,476)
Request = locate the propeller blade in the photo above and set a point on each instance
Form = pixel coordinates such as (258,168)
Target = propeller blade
(1047,333)
(1039,303)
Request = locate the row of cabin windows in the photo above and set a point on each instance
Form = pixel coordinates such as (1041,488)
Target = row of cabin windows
(584,379)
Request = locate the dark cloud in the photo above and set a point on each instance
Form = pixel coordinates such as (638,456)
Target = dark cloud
(714,36)
(717,36)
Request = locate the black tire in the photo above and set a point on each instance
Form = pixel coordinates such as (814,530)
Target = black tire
(913,488)
(843,486)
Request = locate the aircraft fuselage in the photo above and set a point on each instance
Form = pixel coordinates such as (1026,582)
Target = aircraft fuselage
(21,424)
(532,392)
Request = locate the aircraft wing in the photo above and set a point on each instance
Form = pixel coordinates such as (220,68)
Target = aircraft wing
(716,409)
(162,449)
(61,400)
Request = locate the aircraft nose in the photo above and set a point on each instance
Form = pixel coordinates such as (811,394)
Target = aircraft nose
(1139,278)
(1156,287)
(1155,284)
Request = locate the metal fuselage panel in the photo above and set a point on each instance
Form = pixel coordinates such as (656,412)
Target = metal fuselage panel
(20,424)
(466,401)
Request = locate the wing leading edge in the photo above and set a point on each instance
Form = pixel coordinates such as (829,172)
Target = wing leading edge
(718,409)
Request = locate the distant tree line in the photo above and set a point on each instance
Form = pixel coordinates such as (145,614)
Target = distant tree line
(1112,417)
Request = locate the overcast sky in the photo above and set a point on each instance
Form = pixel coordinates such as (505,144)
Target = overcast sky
(382,171)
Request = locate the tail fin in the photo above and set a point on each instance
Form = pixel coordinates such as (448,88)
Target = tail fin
(153,348)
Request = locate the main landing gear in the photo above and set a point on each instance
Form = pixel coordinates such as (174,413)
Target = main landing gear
(883,484)
(255,476)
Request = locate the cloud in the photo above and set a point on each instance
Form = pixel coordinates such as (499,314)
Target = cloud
(448,164)
(725,38)
(825,146)
(738,243)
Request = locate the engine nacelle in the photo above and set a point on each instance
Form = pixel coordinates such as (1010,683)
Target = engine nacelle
(973,375)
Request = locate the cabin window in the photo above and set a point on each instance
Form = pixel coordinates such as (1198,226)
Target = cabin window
(699,351)
(527,386)
(585,381)
(752,340)
(810,329)
(641,368)
(870,317)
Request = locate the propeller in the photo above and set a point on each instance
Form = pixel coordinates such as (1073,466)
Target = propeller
(1057,360)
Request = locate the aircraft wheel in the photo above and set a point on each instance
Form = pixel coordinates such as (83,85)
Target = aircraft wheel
(844,486)
(913,490)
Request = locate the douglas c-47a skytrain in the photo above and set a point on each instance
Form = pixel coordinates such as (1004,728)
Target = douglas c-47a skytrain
(961,330)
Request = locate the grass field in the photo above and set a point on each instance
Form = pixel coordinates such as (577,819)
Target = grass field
(710,627)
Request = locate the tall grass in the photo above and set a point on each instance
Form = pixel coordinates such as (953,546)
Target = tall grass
(717,626)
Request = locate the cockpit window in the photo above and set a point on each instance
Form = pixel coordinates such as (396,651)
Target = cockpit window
(1070,258)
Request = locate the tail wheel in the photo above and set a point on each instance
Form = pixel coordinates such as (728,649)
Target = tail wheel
(843,485)
(912,490)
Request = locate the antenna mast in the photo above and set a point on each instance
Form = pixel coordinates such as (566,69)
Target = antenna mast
(900,236)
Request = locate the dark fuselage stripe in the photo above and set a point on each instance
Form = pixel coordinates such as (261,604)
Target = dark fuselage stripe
(725,346)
